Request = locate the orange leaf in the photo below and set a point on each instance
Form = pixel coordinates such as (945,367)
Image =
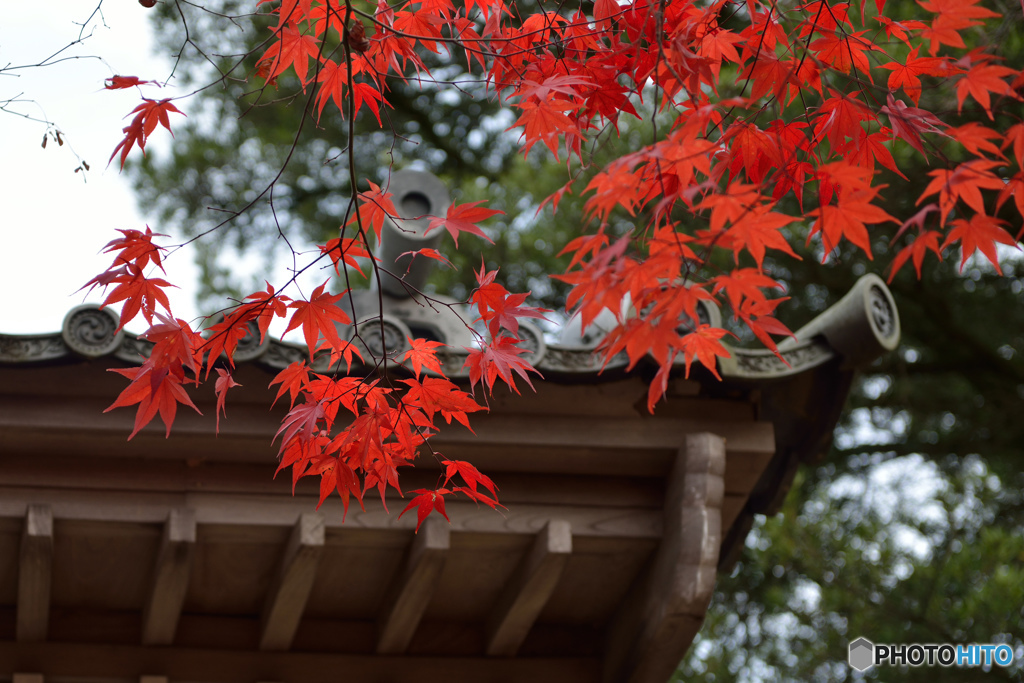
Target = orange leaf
(982,233)
(318,317)
(464,218)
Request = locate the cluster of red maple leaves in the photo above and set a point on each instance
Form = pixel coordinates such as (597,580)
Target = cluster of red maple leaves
(777,121)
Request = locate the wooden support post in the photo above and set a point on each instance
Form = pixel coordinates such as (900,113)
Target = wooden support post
(35,572)
(287,598)
(659,618)
(410,594)
(170,579)
(529,589)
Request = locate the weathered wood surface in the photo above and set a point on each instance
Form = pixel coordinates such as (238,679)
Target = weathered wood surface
(93,661)
(604,511)
(529,590)
(45,423)
(659,620)
(170,578)
(35,571)
(277,511)
(286,600)
(204,476)
(414,587)
(27,678)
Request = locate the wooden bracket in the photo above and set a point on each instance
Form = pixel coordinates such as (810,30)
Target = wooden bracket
(411,593)
(35,573)
(287,598)
(529,589)
(661,615)
(170,579)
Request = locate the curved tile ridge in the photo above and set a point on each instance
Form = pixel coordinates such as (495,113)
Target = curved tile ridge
(863,325)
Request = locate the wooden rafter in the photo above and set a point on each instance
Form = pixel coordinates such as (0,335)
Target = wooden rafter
(286,600)
(411,592)
(35,572)
(170,579)
(529,589)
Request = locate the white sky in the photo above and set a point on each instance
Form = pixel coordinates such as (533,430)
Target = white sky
(53,225)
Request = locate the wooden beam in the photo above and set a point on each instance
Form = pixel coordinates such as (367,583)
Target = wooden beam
(529,589)
(35,573)
(290,590)
(153,679)
(170,579)
(410,594)
(27,678)
(99,661)
(231,510)
(41,423)
(659,618)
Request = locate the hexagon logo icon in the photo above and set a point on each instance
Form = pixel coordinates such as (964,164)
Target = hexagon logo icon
(862,654)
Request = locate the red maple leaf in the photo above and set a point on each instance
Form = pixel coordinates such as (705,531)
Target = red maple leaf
(147,116)
(545,122)
(120,82)
(292,379)
(964,182)
(464,218)
(375,205)
(266,306)
(224,382)
(366,93)
(333,79)
(1015,136)
(429,253)
(422,354)
(318,317)
(505,310)
(703,345)
(139,293)
(500,358)
(136,247)
(155,390)
(848,218)
(425,503)
(434,394)
(758,231)
(293,49)
(907,76)
(1014,188)
(928,240)
(980,233)
(301,423)
(909,122)
(470,474)
(345,250)
(982,79)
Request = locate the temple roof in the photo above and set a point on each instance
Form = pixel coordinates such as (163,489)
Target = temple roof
(183,559)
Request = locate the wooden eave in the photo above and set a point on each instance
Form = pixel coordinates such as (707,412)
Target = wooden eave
(184,559)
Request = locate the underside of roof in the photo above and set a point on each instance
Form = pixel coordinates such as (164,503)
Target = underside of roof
(184,558)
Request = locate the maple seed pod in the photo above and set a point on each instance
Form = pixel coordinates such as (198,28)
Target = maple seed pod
(147,3)
(357,38)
